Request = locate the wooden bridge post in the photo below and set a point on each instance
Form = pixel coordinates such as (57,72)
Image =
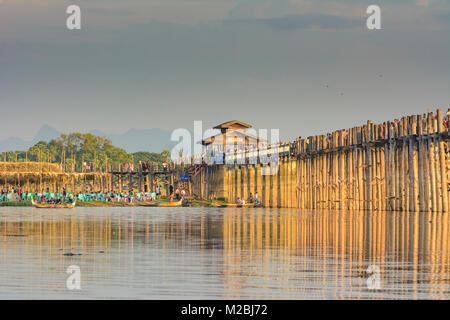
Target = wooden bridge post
(201,183)
(120,179)
(443,163)
(421,190)
(401,191)
(431,162)
(414,171)
(140,178)
(426,163)
(266,187)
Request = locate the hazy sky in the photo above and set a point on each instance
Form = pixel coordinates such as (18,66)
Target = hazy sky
(304,66)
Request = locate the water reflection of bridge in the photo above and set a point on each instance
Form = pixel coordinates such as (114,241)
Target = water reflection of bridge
(340,246)
(283,249)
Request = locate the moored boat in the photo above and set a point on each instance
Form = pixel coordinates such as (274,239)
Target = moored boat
(161,204)
(53,206)
(235,205)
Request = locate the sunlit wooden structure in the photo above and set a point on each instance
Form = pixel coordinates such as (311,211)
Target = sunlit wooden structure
(234,136)
(399,165)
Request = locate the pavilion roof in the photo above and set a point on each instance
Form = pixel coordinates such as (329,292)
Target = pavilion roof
(234,124)
(231,134)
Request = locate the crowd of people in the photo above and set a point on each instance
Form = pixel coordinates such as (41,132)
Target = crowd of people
(129,167)
(146,166)
(129,197)
(251,199)
(88,167)
(47,197)
(11,195)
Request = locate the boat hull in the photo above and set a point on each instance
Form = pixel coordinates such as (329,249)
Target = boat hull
(160,204)
(235,205)
(53,206)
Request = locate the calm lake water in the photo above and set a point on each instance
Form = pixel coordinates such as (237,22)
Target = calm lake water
(212,253)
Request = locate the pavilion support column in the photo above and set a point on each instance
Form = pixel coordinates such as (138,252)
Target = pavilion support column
(259,181)
(245,186)
(232,182)
(282,183)
(275,188)
(200,182)
(292,183)
(238,183)
(269,186)
(251,179)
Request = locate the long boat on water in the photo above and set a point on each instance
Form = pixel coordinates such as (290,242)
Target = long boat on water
(53,206)
(235,205)
(161,204)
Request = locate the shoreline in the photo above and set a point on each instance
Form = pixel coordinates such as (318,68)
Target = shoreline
(104,204)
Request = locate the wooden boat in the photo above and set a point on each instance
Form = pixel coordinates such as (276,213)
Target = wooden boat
(235,205)
(53,206)
(161,204)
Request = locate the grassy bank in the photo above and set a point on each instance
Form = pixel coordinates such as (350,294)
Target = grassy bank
(104,204)
(197,203)
(16,204)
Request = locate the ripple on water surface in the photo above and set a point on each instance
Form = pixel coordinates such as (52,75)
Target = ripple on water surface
(212,253)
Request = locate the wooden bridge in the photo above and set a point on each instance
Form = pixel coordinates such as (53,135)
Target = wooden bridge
(400,165)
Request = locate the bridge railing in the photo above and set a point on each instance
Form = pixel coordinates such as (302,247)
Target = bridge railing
(254,156)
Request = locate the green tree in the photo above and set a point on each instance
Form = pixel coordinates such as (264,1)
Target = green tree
(77,148)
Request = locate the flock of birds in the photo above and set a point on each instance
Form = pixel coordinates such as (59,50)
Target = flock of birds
(341,94)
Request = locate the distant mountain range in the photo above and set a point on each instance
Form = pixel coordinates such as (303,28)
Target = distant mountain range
(152,140)
(45,133)
(134,140)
